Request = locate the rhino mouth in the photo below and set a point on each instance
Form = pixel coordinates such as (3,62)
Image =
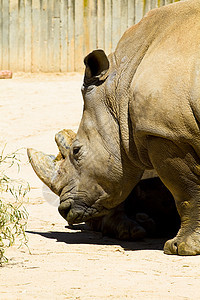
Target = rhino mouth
(73,215)
(70,214)
(76,214)
(64,209)
(75,211)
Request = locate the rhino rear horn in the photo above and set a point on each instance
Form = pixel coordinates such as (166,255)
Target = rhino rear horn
(64,139)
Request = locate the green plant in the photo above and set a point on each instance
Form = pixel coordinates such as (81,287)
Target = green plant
(13,216)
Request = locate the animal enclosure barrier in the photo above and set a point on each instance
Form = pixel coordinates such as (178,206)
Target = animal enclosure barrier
(55,35)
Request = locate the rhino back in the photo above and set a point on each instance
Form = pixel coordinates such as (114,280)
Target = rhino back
(159,60)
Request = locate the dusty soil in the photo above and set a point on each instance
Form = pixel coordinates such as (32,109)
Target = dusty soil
(65,263)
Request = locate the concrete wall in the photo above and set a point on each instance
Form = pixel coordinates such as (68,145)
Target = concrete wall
(55,35)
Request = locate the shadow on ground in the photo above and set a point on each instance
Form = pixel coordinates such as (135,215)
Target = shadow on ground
(96,238)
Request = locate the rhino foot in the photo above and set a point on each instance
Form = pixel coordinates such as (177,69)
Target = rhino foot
(118,225)
(129,230)
(183,245)
(146,222)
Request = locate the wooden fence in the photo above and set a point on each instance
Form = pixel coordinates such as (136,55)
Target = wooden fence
(55,35)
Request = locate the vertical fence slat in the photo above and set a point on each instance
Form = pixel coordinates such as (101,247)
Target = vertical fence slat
(124,16)
(5,34)
(153,3)
(1,32)
(93,24)
(139,9)
(28,36)
(116,22)
(35,35)
(79,9)
(63,36)
(161,3)
(131,12)
(86,26)
(56,36)
(70,48)
(108,26)
(21,33)
(13,44)
(100,24)
(147,6)
(50,34)
(43,36)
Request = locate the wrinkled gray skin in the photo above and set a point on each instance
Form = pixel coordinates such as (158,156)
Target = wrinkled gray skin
(141,111)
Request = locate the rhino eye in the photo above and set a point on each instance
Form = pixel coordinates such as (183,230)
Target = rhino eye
(76,151)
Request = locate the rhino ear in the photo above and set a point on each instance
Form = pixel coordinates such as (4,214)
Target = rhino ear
(96,64)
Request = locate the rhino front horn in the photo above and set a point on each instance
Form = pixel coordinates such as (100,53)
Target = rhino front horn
(45,166)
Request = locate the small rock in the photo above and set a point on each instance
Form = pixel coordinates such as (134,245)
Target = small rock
(5,74)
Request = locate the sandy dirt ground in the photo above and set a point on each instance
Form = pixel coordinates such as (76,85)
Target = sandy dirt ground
(66,263)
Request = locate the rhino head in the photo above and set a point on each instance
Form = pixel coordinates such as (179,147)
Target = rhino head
(93,172)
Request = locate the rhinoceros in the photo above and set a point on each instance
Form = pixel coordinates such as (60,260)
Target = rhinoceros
(141,112)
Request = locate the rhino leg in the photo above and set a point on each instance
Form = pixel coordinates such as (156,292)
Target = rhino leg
(118,225)
(179,169)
